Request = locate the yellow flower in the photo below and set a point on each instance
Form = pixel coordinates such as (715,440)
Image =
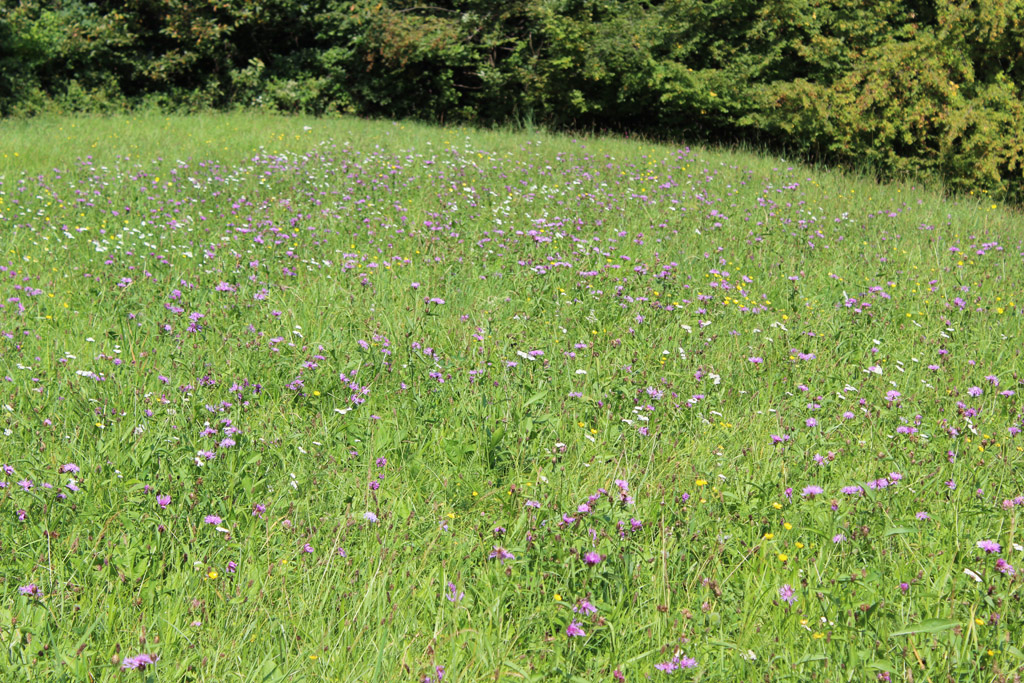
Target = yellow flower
(769,537)
(701,482)
(558,598)
(783,557)
(777,506)
(212,574)
(979,622)
(798,545)
(787,526)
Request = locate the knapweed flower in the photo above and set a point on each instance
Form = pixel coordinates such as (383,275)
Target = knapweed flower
(592,559)
(307,548)
(756,360)
(29,589)
(676,663)
(975,392)
(501,554)
(584,607)
(1005,567)
(989,546)
(787,594)
(904,587)
(139,662)
(812,491)
(838,538)
(163,501)
(370,517)
(573,630)
(922,515)
(212,519)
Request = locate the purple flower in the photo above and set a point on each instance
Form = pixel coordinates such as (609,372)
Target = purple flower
(922,515)
(212,519)
(163,501)
(892,396)
(851,490)
(454,594)
(573,630)
(258,509)
(139,662)
(1005,567)
(307,548)
(69,467)
(30,589)
(756,360)
(904,586)
(501,554)
(341,552)
(584,607)
(975,391)
(811,422)
(838,538)
(812,491)
(370,517)
(232,567)
(787,594)
(592,559)
(989,546)
(676,663)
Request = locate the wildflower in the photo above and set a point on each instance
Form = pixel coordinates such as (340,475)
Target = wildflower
(904,586)
(592,559)
(501,554)
(573,630)
(163,501)
(258,509)
(29,589)
(975,392)
(675,664)
(756,360)
(922,515)
(307,548)
(852,490)
(989,546)
(370,517)
(139,662)
(454,595)
(812,491)
(787,594)
(838,538)
(584,607)
(212,519)
(231,567)
(1005,567)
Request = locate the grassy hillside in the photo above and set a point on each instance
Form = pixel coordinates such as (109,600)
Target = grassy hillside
(294,399)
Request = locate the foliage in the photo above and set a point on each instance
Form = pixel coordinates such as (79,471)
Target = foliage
(931,88)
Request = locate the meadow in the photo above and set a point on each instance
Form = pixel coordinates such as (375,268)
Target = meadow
(299,399)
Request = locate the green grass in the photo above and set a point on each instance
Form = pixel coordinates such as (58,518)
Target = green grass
(235,311)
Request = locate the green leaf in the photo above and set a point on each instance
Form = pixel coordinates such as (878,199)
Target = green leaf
(927,626)
(899,530)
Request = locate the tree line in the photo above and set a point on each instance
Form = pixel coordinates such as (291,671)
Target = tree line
(925,87)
